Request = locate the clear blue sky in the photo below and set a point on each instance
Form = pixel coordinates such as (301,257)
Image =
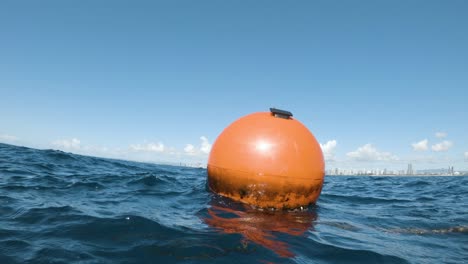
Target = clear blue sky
(143,79)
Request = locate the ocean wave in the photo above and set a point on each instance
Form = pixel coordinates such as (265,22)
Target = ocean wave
(149,180)
(364,199)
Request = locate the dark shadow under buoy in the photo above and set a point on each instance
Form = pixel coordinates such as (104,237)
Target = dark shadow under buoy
(260,227)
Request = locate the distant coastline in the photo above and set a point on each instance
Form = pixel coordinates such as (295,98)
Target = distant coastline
(449,171)
(400,175)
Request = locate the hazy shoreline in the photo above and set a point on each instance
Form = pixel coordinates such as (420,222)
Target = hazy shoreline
(390,175)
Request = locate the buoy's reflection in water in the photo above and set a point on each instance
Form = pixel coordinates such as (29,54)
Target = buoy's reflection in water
(260,226)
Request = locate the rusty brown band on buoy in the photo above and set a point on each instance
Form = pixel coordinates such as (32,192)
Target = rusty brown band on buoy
(268,160)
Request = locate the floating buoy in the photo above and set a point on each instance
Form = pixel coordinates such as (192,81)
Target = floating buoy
(268,160)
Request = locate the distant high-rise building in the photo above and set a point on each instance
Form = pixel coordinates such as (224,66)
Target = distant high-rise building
(410,169)
(450,170)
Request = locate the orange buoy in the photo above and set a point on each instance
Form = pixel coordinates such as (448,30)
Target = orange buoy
(269,160)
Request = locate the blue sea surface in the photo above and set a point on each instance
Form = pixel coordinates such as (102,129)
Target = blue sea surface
(57,207)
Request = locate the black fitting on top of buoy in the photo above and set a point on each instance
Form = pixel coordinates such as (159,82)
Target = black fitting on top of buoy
(281,113)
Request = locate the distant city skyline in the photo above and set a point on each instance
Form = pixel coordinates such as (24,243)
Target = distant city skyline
(450,171)
(379,84)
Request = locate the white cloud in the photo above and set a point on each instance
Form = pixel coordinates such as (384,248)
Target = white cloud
(328,149)
(370,153)
(67,144)
(189,149)
(205,145)
(466,156)
(7,138)
(421,145)
(440,134)
(442,146)
(145,151)
(148,147)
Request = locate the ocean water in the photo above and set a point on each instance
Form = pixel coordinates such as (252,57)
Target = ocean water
(57,207)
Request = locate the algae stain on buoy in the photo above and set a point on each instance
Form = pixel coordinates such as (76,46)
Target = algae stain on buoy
(268,160)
